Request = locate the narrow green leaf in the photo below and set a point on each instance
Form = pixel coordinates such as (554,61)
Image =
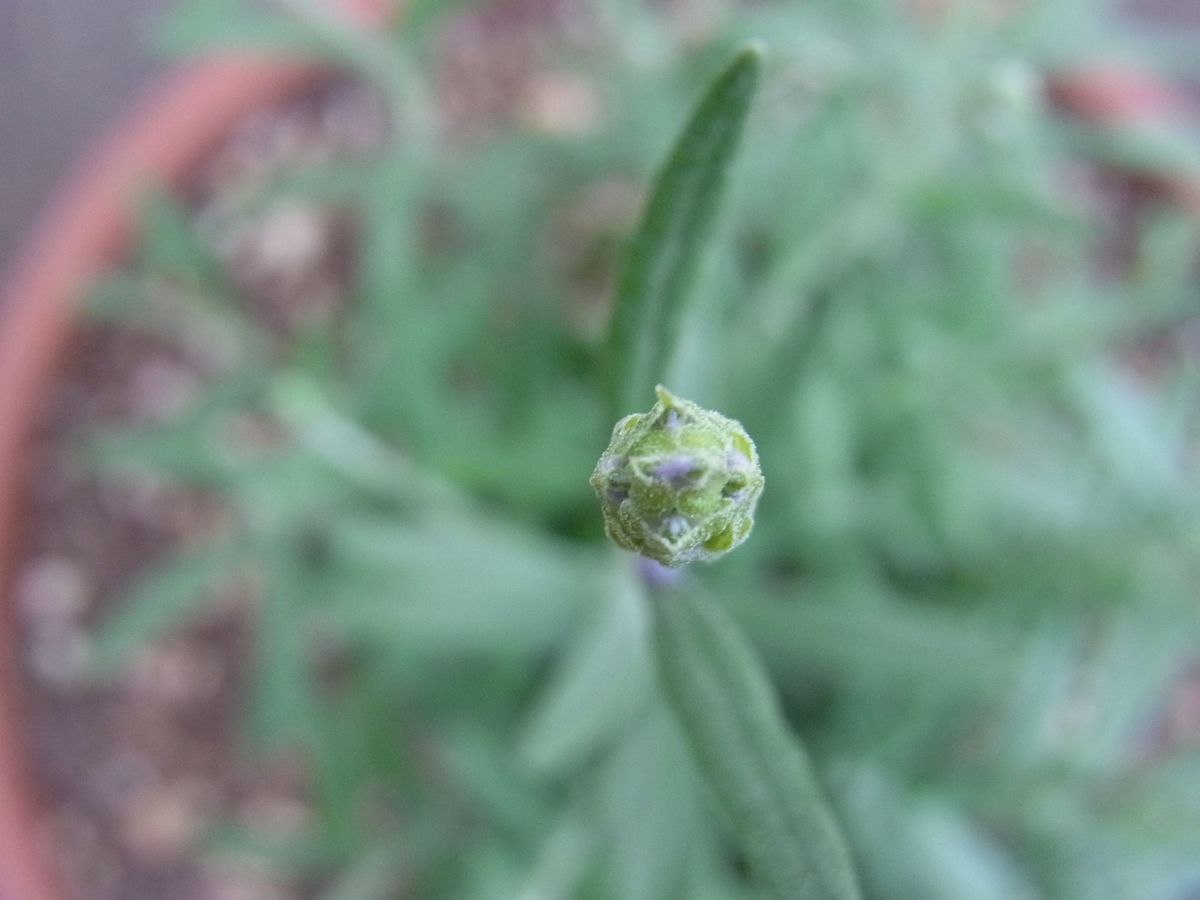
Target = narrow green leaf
(375,874)
(204,26)
(667,250)
(170,246)
(754,765)
(458,585)
(601,682)
(487,778)
(166,596)
(350,449)
(561,863)
(287,28)
(649,812)
(283,707)
(922,846)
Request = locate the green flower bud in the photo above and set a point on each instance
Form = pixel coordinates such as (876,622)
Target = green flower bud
(679,483)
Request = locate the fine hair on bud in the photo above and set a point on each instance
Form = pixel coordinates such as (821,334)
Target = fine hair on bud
(679,483)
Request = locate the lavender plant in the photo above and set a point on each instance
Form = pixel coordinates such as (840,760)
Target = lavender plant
(680,485)
(970,582)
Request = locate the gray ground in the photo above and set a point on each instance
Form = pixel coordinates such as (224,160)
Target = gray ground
(67,68)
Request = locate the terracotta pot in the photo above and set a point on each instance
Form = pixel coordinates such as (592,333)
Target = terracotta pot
(84,230)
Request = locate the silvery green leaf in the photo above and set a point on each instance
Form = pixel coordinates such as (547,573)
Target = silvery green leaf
(746,753)
(668,248)
(164,597)
(603,679)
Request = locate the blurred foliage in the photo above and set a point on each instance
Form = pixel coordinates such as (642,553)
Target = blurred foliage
(974,569)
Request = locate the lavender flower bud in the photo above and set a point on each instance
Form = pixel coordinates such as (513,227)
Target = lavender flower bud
(679,483)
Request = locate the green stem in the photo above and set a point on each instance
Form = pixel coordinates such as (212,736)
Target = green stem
(757,769)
